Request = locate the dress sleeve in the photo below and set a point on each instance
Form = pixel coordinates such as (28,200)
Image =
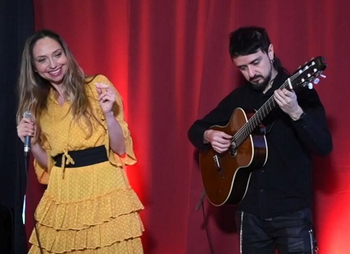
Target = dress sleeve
(42,173)
(129,157)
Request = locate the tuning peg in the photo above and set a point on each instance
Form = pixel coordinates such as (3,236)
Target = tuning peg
(316,81)
(310,85)
(323,76)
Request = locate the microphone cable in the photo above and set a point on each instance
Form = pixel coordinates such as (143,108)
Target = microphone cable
(26,164)
(199,205)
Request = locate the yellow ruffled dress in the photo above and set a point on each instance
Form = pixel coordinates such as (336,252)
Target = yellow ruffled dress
(90,209)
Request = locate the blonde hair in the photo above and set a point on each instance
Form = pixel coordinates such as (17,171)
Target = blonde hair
(33,90)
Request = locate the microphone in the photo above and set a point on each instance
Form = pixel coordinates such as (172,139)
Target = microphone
(27,115)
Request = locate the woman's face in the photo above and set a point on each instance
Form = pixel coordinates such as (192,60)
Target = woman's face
(50,61)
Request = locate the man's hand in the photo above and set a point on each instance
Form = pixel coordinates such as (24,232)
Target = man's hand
(219,140)
(287,101)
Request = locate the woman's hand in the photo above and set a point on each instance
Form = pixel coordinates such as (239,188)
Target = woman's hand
(26,127)
(106,97)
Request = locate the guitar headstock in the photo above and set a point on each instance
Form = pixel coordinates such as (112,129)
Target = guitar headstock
(307,75)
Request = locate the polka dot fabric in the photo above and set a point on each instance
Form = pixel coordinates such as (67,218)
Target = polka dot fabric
(89,209)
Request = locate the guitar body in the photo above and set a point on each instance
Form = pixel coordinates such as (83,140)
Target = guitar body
(226,176)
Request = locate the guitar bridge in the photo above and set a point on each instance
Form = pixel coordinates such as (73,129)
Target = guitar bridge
(216,159)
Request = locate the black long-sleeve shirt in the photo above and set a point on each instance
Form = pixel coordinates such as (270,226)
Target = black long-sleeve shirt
(283,184)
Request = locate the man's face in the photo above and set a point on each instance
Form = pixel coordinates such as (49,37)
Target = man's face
(256,68)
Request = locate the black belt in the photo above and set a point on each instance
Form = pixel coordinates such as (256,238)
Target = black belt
(83,158)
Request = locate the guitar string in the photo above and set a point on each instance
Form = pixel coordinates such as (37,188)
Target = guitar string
(256,119)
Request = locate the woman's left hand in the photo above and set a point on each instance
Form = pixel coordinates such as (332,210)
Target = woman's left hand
(106,97)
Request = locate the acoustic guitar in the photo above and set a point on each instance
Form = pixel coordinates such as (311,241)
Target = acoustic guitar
(226,175)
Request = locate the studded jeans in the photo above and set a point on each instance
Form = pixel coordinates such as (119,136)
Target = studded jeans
(289,234)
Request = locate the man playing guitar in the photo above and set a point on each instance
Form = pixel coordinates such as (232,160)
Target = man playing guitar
(274,170)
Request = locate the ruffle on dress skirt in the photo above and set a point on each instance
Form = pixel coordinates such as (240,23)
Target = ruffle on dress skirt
(133,246)
(105,224)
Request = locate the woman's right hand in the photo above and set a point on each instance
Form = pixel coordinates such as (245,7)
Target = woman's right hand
(26,127)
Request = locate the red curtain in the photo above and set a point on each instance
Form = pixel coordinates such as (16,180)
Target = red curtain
(169,60)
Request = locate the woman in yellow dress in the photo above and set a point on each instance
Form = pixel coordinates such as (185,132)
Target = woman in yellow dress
(80,143)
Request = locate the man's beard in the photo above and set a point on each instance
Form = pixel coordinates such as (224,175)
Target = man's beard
(262,85)
(265,81)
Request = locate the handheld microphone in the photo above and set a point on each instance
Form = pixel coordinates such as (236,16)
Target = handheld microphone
(27,115)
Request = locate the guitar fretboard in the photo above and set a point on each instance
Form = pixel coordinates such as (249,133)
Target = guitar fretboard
(260,114)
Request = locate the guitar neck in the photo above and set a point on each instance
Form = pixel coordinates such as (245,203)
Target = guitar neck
(256,119)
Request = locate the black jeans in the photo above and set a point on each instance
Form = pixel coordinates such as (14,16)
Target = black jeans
(291,233)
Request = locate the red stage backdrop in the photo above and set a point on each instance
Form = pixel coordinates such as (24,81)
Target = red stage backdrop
(169,60)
